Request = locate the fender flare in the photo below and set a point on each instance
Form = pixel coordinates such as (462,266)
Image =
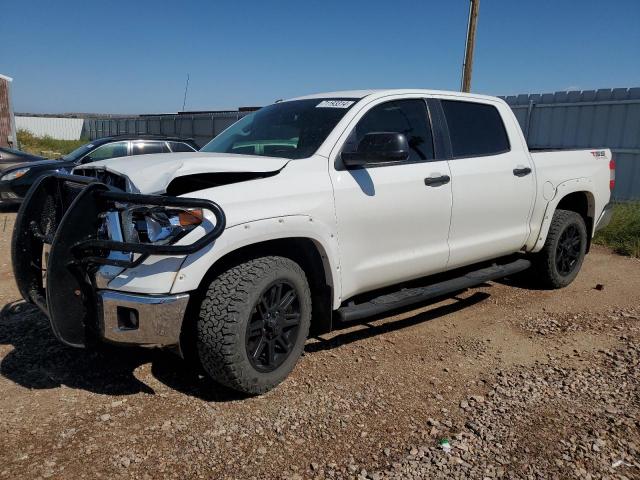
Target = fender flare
(195,266)
(536,241)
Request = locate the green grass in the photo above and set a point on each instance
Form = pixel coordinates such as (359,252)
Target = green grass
(623,233)
(46,146)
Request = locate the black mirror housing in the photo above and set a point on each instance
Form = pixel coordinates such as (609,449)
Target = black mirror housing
(378,147)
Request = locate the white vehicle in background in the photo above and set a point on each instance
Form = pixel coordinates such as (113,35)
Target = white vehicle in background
(309,212)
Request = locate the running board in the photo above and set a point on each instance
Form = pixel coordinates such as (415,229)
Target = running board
(411,296)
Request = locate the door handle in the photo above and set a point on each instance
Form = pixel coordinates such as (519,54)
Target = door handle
(437,181)
(521,172)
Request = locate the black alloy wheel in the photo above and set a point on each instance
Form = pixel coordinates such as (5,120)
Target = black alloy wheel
(559,261)
(568,251)
(273,327)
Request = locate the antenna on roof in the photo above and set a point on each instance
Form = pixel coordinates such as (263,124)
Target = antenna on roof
(186,88)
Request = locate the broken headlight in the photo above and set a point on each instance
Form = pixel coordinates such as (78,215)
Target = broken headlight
(158,225)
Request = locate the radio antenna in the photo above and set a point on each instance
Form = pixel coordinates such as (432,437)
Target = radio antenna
(186,88)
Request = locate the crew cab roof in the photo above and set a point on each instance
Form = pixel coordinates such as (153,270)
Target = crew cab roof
(375,93)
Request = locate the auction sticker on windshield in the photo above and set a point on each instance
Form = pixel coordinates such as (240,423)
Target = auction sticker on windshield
(335,104)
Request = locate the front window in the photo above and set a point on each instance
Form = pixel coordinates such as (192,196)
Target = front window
(110,150)
(78,153)
(293,129)
(408,117)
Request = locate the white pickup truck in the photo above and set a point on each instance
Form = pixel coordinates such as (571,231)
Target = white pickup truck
(303,215)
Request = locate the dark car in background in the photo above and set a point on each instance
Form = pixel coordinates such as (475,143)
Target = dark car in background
(10,157)
(16,179)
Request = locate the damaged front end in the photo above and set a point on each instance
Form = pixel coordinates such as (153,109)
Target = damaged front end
(70,227)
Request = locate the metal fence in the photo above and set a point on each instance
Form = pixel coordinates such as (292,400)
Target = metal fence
(587,119)
(578,119)
(202,127)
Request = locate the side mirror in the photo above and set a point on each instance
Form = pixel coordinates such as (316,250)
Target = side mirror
(378,147)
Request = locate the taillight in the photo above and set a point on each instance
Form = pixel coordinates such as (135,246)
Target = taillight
(612,174)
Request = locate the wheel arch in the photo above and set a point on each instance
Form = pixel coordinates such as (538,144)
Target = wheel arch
(583,203)
(307,252)
(575,196)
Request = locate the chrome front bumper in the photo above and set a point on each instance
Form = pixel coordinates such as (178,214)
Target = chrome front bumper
(141,319)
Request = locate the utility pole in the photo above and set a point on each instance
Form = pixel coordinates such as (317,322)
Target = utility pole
(467,65)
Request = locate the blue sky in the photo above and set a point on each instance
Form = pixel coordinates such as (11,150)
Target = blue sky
(133,56)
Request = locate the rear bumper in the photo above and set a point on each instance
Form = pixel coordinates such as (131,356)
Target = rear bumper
(141,319)
(605,217)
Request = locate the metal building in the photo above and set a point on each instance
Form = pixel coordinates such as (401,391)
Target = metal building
(587,119)
(200,126)
(60,128)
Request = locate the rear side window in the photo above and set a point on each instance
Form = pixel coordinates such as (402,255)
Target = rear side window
(141,148)
(402,116)
(476,129)
(180,147)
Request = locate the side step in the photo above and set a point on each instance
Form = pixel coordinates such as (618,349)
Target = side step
(411,296)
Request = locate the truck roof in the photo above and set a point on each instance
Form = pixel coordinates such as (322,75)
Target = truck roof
(391,91)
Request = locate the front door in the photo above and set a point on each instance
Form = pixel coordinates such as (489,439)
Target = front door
(392,226)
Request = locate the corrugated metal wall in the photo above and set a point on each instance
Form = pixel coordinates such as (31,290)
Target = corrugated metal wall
(202,127)
(60,128)
(585,119)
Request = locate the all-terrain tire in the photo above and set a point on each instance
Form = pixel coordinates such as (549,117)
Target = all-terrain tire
(225,312)
(547,269)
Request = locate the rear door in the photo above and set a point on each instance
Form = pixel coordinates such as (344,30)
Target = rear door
(492,182)
(391,225)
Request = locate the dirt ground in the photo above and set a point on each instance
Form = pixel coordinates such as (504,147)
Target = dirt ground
(523,383)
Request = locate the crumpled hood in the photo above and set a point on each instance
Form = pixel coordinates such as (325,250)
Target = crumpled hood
(150,174)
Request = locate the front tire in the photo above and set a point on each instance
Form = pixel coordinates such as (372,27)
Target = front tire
(560,260)
(253,323)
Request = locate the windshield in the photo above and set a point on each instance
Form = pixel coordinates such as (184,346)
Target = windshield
(78,153)
(294,129)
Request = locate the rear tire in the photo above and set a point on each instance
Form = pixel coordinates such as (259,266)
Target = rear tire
(253,323)
(559,261)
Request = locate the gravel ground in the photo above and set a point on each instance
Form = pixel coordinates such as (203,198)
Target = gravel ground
(575,417)
(522,383)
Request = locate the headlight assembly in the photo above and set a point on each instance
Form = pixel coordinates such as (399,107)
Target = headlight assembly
(158,225)
(13,174)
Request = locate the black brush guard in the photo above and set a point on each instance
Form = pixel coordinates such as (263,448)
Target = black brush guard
(61,213)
